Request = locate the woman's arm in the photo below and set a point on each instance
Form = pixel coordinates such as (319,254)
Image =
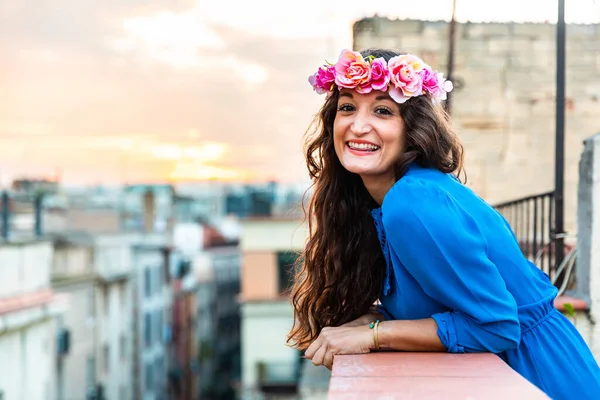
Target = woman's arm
(442,246)
(365,319)
(415,335)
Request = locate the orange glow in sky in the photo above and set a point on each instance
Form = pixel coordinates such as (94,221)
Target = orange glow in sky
(106,92)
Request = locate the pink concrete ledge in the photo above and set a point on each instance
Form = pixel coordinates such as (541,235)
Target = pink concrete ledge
(424,376)
(578,304)
(27,300)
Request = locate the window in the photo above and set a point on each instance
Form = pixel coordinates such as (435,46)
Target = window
(286,268)
(91,372)
(158,374)
(149,378)
(158,280)
(159,326)
(91,305)
(106,357)
(123,347)
(147,329)
(147,282)
(105,294)
(123,393)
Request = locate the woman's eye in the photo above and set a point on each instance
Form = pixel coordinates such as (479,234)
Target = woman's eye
(345,107)
(383,110)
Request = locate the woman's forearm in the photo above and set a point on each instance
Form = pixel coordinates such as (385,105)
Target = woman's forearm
(407,335)
(366,319)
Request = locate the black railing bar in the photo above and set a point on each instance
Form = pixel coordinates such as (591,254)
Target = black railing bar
(513,202)
(535,226)
(528,227)
(543,230)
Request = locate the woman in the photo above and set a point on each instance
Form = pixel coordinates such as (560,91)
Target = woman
(390,220)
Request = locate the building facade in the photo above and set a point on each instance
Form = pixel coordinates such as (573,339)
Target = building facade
(151,320)
(73,275)
(269,247)
(28,310)
(114,267)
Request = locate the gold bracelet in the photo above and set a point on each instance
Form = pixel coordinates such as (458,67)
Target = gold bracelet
(376,335)
(374,326)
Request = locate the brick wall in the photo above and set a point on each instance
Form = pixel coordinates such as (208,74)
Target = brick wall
(503,106)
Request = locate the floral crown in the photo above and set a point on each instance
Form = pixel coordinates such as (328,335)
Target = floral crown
(404,76)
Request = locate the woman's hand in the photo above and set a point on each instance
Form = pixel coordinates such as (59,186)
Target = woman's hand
(339,340)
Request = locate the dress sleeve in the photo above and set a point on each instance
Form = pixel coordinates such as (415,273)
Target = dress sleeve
(443,248)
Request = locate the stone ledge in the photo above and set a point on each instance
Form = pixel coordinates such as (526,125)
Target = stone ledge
(577,304)
(26,300)
(427,375)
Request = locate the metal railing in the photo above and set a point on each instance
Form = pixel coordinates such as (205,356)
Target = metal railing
(532,219)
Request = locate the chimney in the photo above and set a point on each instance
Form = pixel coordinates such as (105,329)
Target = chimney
(4,216)
(149,208)
(38,210)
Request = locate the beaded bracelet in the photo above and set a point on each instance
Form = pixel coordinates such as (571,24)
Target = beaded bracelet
(374,326)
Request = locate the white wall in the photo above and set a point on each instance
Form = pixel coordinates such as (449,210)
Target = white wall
(74,379)
(27,363)
(24,267)
(273,234)
(150,358)
(114,330)
(264,330)
(113,255)
(588,243)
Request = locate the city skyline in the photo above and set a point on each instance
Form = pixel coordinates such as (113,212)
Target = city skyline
(181,90)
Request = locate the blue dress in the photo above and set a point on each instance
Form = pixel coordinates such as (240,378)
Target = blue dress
(452,257)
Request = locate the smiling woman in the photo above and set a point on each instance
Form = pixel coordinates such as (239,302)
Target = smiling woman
(390,220)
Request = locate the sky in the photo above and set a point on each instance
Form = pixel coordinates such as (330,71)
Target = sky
(119,91)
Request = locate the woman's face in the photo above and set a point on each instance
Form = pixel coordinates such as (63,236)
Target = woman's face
(368,134)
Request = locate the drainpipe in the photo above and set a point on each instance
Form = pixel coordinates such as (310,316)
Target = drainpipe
(4,216)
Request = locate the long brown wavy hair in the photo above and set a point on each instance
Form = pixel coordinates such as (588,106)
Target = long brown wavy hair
(341,271)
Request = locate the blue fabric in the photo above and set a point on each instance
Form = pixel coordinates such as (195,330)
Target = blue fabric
(452,257)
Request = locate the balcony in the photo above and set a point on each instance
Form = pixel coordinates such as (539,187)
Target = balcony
(112,257)
(420,376)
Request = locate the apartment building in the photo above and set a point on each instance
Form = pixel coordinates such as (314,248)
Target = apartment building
(269,247)
(28,310)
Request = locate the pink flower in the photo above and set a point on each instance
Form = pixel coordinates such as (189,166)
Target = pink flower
(380,75)
(435,84)
(353,72)
(322,80)
(405,78)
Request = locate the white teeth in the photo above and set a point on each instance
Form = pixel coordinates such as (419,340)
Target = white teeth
(362,146)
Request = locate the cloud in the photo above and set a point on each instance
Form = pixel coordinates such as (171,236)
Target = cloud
(102,93)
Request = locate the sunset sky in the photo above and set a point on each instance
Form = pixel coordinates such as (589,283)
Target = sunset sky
(120,91)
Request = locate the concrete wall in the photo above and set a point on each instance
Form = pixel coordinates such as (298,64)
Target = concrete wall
(114,340)
(266,317)
(24,267)
(26,369)
(260,276)
(273,234)
(27,332)
(75,375)
(264,331)
(588,243)
(503,106)
(151,358)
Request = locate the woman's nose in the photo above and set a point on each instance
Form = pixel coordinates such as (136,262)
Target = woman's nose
(361,125)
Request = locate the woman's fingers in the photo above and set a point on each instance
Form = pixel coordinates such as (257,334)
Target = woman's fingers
(328,359)
(312,349)
(319,356)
